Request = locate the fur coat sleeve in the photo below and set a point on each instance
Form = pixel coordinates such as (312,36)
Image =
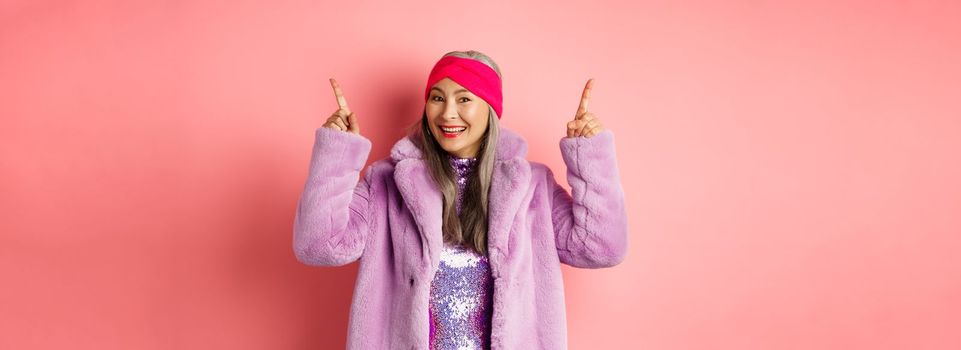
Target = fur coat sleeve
(590,222)
(332,215)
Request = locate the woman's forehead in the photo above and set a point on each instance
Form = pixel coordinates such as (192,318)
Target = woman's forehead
(448,85)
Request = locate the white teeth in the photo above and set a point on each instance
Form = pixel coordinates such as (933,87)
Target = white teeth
(454,129)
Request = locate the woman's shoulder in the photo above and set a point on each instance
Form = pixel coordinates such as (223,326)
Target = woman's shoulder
(539,171)
(381,167)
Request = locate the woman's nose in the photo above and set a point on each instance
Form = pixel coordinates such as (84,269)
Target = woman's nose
(450,111)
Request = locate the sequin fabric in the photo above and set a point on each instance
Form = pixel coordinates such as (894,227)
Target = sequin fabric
(461,293)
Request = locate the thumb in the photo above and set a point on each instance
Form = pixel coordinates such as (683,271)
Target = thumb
(353,126)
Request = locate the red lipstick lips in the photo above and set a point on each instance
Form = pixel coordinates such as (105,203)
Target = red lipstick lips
(451,135)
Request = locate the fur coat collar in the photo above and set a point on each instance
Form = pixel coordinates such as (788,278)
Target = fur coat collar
(512,175)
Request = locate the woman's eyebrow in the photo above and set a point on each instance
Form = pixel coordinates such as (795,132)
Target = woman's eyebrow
(442,91)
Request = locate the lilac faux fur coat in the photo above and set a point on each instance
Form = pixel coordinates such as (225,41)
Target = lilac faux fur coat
(391,221)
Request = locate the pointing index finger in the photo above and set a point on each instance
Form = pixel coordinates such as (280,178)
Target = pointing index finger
(339,94)
(585,97)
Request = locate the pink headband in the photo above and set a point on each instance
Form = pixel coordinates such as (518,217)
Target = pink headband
(477,77)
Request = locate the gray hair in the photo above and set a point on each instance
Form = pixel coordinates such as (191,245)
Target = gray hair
(470,227)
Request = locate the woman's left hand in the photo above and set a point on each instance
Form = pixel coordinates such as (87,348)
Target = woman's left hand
(584,123)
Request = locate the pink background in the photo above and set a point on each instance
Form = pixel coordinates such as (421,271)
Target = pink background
(791,169)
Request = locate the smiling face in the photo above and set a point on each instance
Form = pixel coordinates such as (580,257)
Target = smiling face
(451,106)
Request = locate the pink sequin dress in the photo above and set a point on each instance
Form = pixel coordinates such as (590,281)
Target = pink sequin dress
(461,293)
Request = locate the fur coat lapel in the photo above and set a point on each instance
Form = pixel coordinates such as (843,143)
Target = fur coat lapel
(509,185)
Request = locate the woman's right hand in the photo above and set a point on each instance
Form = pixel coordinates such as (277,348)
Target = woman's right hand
(342,119)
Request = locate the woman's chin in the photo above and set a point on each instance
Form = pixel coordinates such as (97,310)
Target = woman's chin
(447,143)
(450,150)
(450,147)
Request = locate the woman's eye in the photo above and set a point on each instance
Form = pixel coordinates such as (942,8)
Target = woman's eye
(438,98)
